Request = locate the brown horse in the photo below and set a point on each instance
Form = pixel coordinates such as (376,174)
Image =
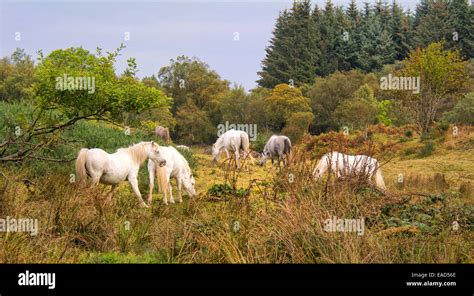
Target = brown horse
(163,133)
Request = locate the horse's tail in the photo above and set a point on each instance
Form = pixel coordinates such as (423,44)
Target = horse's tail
(161,177)
(81,172)
(379,177)
(245,146)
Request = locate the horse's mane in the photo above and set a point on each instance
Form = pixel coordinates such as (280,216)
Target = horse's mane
(137,152)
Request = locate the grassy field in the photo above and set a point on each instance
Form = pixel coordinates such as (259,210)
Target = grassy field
(259,216)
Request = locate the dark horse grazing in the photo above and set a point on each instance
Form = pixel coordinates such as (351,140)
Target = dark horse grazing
(163,133)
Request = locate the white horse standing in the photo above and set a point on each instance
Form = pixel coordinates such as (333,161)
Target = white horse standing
(346,165)
(111,169)
(232,140)
(278,147)
(176,167)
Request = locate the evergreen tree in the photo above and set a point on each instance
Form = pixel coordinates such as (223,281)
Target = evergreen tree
(461,27)
(293,52)
(275,66)
(329,34)
(400,31)
(432,25)
(349,42)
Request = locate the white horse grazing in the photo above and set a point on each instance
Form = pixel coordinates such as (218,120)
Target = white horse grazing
(232,140)
(111,169)
(278,147)
(176,167)
(346,165)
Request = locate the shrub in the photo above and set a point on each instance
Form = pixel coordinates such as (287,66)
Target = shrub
(463,112)
(408,133)
(426,150)
(443,125)
(259,143)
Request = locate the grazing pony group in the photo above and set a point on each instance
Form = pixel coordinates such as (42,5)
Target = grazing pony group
(166,162)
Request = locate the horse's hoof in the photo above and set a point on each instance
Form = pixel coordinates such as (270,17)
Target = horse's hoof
(172,201)
(144,206)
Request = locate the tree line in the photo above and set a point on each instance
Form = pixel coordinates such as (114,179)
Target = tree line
(324,85)
(312,41)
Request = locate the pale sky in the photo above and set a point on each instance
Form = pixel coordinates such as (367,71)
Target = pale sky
(158,30)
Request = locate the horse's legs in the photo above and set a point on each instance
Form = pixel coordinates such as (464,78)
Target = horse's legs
(165,192)
(111,193)
(171,191)
(237,158)
(95,180)
(180,185)
(227,153)
(134,183)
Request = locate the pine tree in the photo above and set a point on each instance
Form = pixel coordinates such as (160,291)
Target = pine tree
(275,66)
(328,30)
(293,51)
(432,24)
(461,27)
(376,46)
(348,44)
(400,31)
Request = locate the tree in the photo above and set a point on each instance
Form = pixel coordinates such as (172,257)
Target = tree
(293,50)
(16,77)
(284,101)
(191,79)
(431,23)
(400,32)
(442,76)
(360,111)
(461,27)
(327,93)
(193,126)
(73,85)
(297,125)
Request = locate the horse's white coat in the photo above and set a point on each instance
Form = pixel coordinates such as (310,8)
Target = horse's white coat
(346,165)
(176,167)
(234,141)
(111,169)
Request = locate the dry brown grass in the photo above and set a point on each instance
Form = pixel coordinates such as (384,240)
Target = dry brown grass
(280,221)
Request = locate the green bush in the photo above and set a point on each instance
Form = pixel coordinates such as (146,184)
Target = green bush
(259,143)
(443,125)
(426,150)
(408,133)
(463,112)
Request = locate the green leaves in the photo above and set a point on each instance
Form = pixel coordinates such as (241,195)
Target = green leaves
(80,84)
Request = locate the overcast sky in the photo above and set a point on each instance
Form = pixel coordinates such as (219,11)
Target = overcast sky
(158,30)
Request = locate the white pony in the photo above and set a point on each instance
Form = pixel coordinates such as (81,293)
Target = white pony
(346,165)
(111,169)
(232,140)
(277,147)
(177,167)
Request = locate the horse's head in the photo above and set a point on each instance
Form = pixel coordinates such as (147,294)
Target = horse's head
(317,174)
(263,158)
(188,184)
(319,170)
(215,153)
(155,154)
